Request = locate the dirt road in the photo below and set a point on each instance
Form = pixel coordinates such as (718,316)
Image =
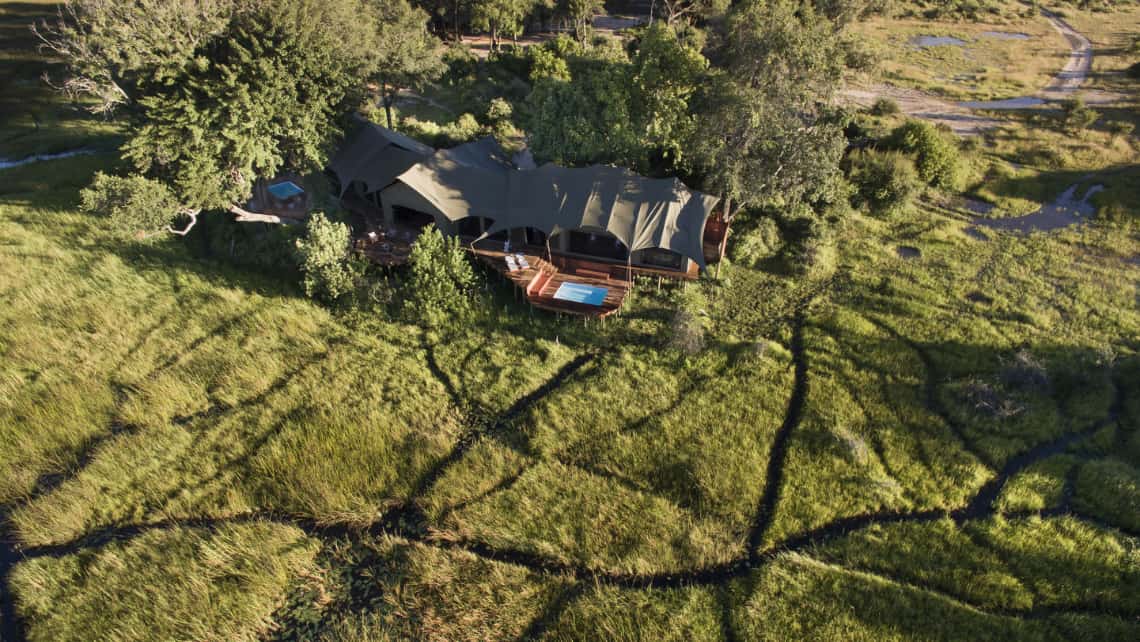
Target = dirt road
(964,117)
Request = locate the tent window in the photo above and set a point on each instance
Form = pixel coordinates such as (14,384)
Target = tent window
(660,258)
(600,245)
(535,237)
(469,226)
(409,216)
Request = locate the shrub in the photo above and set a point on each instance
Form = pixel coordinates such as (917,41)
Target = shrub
(689,325)
(937,157)
(886,181)
(1134,71)
(546,63)
(465,128)
(1121,128)
(499,110)
(1076,116)
(134,205)
(324,261)
(885,107)
(757,244)
(441,282)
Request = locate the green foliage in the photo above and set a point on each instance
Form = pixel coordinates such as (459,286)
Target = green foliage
(600,105)
(547,63)
(936,153)
(690,320)
(750,247)
(441,284)
(328,273)
(499,110)
(587,119)
(580,14)
(762,135)
(500,17)
(1076,115)
(884,107)
(231,94)
(886,181)
(665,73)
(134,205)
(408,55)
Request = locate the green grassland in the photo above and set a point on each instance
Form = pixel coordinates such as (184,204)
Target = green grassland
(940,447)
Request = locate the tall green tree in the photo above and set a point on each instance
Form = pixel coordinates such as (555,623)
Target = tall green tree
(218,92)
(604,106)
(764,136)
(586,117)
(580,14)
(409,55)
(501,17)
(442,282)
(676,10)
(324,258)
(664,74)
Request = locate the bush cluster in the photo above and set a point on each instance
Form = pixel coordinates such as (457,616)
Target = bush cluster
(754,245)
(441,282)
(327,269)
(937,157)
(887,182)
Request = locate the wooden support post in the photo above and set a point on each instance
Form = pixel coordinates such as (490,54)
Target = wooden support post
(724,240)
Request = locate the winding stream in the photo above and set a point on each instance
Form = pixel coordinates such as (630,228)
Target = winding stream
(6,163)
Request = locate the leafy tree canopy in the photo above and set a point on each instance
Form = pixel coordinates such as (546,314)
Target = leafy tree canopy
(219,92)
(602,105)
(763,134)
(499,17)
(408,55)
(134,205)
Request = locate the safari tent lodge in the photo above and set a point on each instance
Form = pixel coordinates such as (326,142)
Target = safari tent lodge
(570,239)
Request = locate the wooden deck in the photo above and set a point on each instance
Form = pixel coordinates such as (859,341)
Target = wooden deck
(390,245)
(538,283)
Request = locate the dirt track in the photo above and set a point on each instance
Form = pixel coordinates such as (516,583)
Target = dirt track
(964,118)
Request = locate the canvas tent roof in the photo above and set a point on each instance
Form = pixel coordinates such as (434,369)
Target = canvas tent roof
(375,156)
(642,212)
(480,179)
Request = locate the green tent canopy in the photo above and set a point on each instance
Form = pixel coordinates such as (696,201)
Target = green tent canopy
(643,213)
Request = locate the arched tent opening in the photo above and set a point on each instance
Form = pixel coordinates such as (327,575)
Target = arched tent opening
(590,242)
(471,227)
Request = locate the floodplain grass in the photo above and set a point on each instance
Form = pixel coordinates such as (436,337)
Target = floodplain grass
(178,584)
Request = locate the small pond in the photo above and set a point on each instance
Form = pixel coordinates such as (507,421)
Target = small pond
(1006,35)
(936,41)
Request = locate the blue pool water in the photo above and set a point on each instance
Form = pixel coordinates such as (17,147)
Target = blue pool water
(287,189)
(579,293)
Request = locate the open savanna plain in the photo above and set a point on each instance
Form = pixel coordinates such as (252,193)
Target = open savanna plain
(937,444)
